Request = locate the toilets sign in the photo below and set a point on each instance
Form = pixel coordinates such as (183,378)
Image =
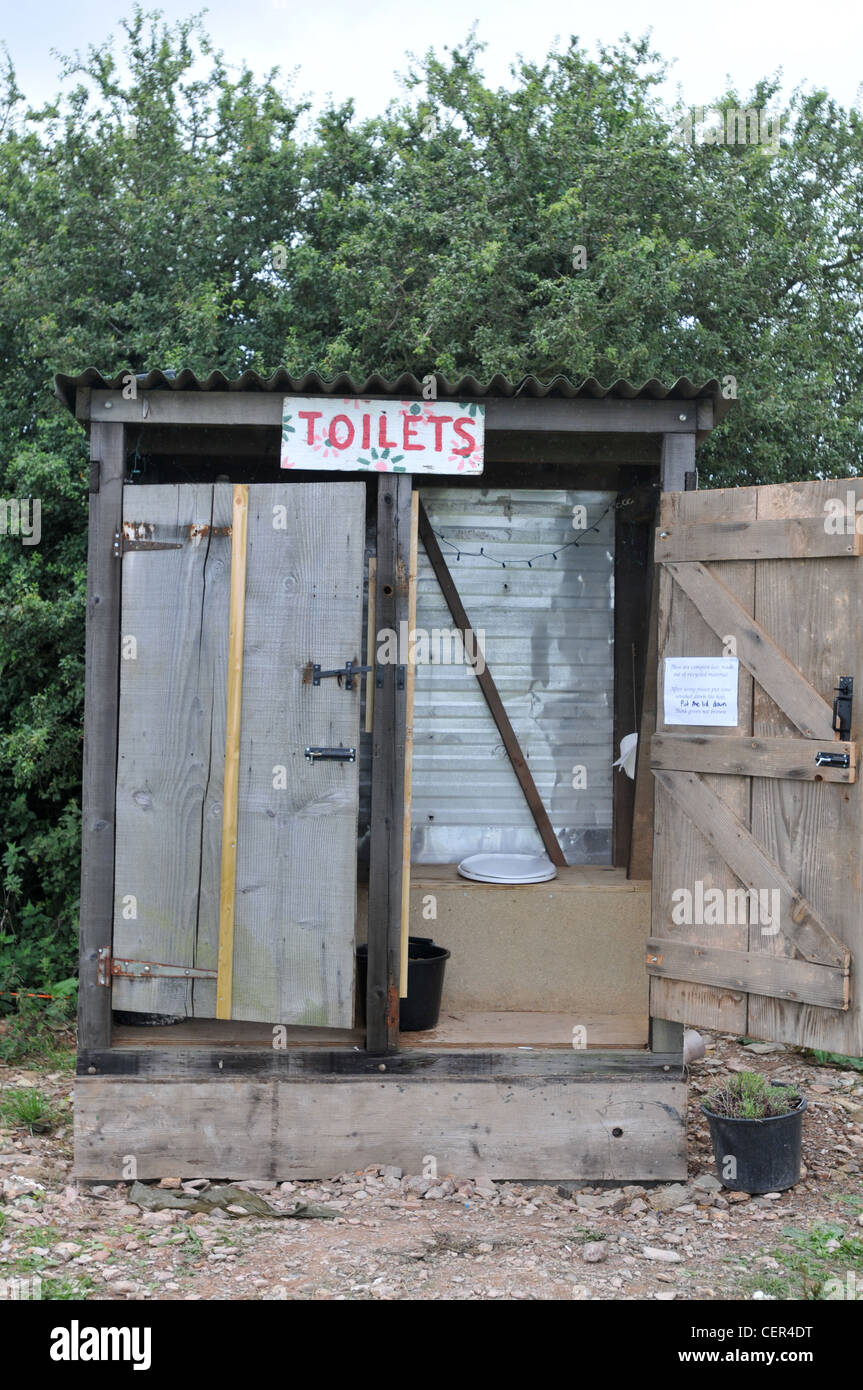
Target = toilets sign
(353,435)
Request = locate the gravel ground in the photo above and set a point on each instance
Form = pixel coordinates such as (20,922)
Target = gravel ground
(401,1236)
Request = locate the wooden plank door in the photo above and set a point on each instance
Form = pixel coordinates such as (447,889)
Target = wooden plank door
(757,912)
(295,879)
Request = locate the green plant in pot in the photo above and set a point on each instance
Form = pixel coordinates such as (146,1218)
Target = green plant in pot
(757,1131)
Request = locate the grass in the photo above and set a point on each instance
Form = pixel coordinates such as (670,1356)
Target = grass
(29,1108)
(56,1287)
(812,1260)
(38,1031)
(747,1095)
(836,1059)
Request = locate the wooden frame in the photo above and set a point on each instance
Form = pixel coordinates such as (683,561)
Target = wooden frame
(377,1095)
(392,602)
(264,408)
(102,693)
(672,424)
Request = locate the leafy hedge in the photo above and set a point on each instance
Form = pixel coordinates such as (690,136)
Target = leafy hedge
(155,216)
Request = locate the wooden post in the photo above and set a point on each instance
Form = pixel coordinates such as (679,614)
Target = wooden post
(633,565)
(410,682)
(641,845)
(678,458)
(102,694)
(388,754)
(371,647)
(236,628)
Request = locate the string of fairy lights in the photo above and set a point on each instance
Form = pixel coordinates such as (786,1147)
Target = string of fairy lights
(522,560)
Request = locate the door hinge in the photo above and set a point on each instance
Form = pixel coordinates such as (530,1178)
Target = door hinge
(109,967)
(333,755)
(138,535)
(132,537)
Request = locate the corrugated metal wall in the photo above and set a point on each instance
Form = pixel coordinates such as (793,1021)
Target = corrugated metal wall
(548,644)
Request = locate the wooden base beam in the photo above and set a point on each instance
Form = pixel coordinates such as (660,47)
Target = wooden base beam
(579,1128)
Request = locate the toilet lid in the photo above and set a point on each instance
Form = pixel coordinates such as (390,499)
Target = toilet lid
(507,868)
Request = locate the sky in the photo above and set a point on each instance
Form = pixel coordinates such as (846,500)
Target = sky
(356,50)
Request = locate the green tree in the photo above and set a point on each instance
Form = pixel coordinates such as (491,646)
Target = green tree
(152,216)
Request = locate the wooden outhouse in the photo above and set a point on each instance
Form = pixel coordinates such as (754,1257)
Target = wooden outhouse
(282,764)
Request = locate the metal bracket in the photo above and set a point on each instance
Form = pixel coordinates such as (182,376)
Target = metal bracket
(333,755)
(108,966)
(137,535)
(348,671)
(127,539)
(842,707)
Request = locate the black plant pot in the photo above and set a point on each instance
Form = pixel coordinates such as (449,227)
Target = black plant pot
(757,1155)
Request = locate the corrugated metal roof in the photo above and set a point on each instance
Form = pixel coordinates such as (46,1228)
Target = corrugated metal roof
(344,384)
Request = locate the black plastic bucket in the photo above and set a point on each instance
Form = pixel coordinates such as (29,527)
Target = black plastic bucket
(765,1153)
(426,965)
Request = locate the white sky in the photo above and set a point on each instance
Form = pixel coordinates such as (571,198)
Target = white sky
(347,49)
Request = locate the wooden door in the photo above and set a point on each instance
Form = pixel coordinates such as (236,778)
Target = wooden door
(766,809)
(295,870)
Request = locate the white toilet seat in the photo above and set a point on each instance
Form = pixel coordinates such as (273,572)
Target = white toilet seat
(507,868)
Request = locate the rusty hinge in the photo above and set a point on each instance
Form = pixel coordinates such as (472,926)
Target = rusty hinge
(108,966)
(138,535)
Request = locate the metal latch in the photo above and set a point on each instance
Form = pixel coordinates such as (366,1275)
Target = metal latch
(833,759)
(333,755)
(348,671)
(108,967)
(842,705)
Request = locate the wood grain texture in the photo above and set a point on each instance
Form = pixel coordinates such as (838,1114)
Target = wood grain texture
(753,866)
(681,854)
(794,538)
(641,845)
(596,1129)
(756,648)
(791,758)
(233,720)
(296,850)
(410,683)
(678,452)
(750,971)
(785,830)
(101,700)
(264,409)
(813,609)
(386,837)
(166,752)
(226,1060)
(463,1028)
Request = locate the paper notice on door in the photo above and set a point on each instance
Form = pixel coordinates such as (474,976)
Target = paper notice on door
(701,690)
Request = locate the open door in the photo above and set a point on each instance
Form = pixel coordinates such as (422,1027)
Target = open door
(279,889)
(757,917)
